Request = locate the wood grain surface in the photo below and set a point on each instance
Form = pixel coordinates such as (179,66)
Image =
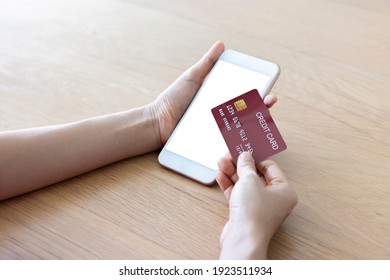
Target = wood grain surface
(62,61)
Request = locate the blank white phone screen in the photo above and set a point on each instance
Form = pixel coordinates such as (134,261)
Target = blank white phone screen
(198,137)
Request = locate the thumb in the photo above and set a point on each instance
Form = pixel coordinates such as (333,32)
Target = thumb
(201,69)
(245,164)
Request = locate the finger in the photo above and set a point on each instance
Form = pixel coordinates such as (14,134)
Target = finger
(228,193)
(245,165)
(270,100)
(271,172)
(228,156)
(223,181)
(226,165)
(201,69)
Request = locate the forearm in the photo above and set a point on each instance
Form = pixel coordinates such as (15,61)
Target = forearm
(37,157)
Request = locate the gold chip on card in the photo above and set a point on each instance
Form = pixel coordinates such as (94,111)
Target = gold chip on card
(240,105)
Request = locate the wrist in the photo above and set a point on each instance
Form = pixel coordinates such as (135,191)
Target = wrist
(131,133)
(144,126)
(152,111)
(244,239)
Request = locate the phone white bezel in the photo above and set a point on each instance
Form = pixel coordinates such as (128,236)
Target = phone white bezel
(190,168)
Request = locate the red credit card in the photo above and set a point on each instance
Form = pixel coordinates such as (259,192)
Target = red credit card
(246,125)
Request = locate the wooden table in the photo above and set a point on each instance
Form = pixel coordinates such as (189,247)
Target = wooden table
(63,61)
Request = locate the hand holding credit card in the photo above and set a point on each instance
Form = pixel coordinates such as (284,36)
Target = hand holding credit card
(246,125)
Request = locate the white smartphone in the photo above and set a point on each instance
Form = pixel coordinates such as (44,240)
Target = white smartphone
(196,144)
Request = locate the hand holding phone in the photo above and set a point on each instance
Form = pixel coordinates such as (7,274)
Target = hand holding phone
(196,143)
